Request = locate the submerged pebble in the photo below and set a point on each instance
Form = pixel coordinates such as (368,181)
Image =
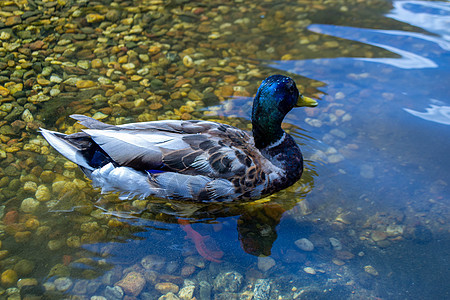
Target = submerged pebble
(304,244)
(265,263)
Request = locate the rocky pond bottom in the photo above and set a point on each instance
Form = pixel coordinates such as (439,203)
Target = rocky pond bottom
(368,220)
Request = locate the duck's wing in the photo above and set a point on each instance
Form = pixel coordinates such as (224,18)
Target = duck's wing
(187,147)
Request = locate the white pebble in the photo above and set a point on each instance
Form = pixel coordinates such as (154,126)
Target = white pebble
(304,244)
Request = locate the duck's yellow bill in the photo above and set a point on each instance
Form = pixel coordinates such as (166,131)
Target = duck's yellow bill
(306,101)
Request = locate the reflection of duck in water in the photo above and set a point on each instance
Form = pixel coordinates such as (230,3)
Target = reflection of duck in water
(197,161)
(256,221)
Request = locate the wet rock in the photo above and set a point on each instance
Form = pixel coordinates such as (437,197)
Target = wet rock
(187,292)
(309,270)
(153,262)
(22,236)
(94,18)
(169,296)
(205,290)
(304,244)
(228,282)
(80,287)
(132,283)
(43,193)
(34,291)
(265,263)
(261,290)
(336,244)
(84,84)
(195,95)
(167,287)
(197,261)
(26,282)
(63,284)
(371,270)
(24,267)
(9,278)
(29,205)
(378,236)
(54,245)
(113,293)
(98,298)
(90,227)
(394,230)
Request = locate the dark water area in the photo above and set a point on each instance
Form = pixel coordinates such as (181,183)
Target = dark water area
(368,220)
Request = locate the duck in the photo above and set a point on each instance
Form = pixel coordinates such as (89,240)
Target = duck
(192,160)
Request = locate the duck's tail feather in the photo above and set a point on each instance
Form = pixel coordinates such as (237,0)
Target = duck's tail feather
(66,147)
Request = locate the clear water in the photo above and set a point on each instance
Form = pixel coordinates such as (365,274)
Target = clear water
(376,150)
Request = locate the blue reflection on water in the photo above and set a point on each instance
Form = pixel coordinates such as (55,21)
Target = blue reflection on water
(396,89)
(417,78)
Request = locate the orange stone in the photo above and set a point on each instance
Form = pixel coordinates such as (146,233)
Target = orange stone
(132,283)
(166,287)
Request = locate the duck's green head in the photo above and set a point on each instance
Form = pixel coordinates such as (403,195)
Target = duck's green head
(276,96)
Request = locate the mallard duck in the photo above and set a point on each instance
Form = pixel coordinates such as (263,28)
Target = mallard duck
(199,161)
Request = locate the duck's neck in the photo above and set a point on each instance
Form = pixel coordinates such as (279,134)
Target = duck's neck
(266,135)
(266,125)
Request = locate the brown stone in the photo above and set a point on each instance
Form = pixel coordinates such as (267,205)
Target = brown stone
(37,45)
(132,283)
(166,287)
(13,20)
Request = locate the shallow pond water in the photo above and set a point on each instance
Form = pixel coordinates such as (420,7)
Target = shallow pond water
(369,218)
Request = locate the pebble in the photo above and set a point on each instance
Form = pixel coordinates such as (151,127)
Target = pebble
(265,263)
(169,296)
(378,236)
(132,283)
(63,284)
(27,282)
(29,205)
(9,277)
(153,262)
(22,236)
(371,270)
(335,158)
(261,291)
(42,193)
(229,282)
(30,186)
(187,292)
(84,84)
(197,261)
(205,290)
(187,270)
(94,18)
(309,270)
(54,245)
(336,244)
(394,230)
(304,244)
(313,122)
(195,95)
(187,61)
(167,287)
(24,267)
(113,293)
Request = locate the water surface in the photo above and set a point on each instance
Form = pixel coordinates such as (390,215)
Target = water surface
(373,200)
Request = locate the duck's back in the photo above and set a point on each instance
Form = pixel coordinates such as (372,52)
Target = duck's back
(186,160)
